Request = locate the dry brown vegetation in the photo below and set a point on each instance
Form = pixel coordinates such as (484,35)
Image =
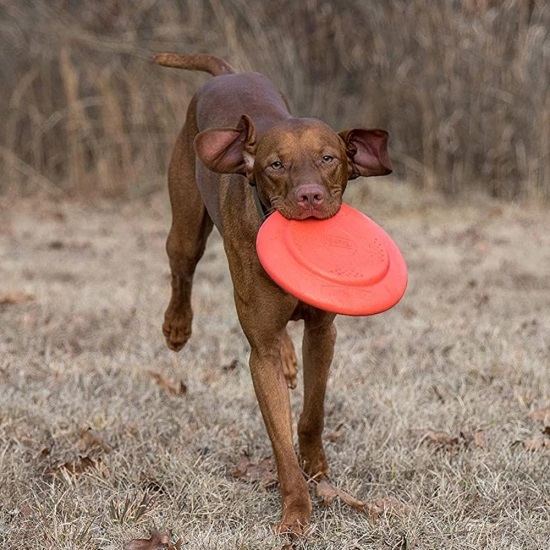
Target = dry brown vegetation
(438,410)
(462,86)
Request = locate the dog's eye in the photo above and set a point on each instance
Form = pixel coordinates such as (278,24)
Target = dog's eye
(277,165)
(327,158)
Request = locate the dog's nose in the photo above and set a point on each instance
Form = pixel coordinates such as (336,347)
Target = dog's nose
(310,195)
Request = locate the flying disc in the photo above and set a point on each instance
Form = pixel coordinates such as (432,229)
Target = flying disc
(346,264)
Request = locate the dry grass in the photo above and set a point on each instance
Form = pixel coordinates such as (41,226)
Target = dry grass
(466,353)
(463,87)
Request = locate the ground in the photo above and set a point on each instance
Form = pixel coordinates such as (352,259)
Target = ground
(438,410)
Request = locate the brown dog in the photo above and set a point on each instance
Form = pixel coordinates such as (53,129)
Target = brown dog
(239,127)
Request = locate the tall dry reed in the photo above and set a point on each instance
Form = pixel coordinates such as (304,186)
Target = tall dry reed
(462,86)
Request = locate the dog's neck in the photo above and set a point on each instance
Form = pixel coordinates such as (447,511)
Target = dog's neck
(260,207)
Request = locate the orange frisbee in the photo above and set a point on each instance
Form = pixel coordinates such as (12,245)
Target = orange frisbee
(346,264)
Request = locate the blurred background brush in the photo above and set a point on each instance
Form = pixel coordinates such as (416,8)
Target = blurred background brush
(462,86)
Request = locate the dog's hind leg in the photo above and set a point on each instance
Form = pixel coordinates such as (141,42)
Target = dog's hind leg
(289,360)
(191,226)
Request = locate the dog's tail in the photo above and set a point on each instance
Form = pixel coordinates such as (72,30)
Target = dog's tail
(196,62)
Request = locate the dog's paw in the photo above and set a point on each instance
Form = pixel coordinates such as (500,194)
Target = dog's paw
(176,330)
(295,525)
(296,512)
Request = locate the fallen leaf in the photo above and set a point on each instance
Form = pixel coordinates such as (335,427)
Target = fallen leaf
(326,492)
(12,298)
(386,505)
(334,435)
(263,472)
(541,415)
(25,511)
(89,439)
(351,501)
(169,387)
(536,444)
(157,541)
(76,467)
(479,439)
(441,439)
(45,452)
(374,509)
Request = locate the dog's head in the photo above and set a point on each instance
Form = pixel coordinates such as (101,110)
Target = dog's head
(300,166)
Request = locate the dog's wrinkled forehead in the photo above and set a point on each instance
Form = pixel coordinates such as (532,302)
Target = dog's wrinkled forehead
(298,135)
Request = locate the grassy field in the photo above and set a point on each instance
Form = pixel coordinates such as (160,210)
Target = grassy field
(438,411)
(439,406)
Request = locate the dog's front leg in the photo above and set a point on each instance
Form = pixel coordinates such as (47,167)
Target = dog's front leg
(271,390)
(318,350)
(264,311)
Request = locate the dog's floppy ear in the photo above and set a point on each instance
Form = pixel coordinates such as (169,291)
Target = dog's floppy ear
(228,150)
(367,152)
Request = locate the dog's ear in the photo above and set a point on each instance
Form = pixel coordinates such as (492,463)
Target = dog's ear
(228,150)
(367,152)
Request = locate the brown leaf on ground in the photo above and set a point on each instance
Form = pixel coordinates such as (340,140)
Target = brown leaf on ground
(477,438)
(45,451)
(374,509)
(541,415)
(169,387)
(75,467)
(158,541)
(536,444)
(263,472)
(440,439)
(386,505)
(89,439)
(334,435)
(351,501)
(13,298)
(326,492)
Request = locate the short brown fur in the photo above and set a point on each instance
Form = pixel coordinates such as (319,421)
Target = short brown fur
(239,132)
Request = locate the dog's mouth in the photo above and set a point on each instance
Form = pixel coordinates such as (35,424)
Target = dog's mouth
(305,215)
(299,213)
